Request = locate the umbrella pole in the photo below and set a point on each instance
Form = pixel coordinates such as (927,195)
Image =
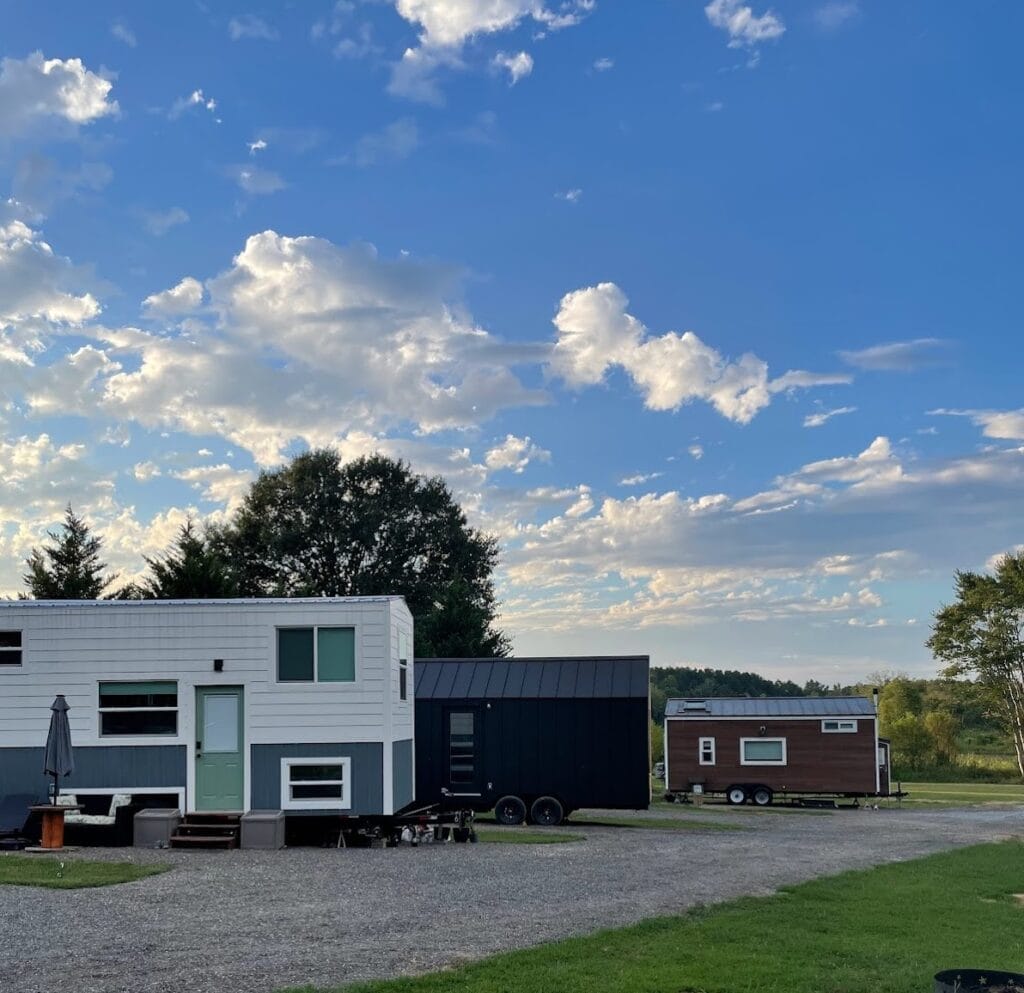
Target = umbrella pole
(55,790)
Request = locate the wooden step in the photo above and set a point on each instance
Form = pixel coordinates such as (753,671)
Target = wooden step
(203,841)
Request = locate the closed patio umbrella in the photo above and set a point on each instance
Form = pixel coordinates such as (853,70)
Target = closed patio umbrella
(58,760)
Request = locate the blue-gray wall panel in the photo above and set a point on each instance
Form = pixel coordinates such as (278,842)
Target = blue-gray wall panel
(402,773)
(96,767)
(367,772)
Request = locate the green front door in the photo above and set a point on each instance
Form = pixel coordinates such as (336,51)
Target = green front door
(220,748)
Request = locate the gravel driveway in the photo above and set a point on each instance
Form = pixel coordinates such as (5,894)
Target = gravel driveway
(251,922)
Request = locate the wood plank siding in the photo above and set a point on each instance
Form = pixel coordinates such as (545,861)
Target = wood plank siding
(816,761)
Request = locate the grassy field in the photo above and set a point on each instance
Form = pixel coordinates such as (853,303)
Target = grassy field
(70,874)
(961,794)
(847,934)
(521,836)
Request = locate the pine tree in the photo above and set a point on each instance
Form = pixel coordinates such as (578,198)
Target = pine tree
(70,567)
(190,570)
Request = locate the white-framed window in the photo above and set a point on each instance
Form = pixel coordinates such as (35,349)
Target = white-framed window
(403,665)
(148,708)
(316,784)
(762,751)
(316,655)
(706,751)
(837,726)
(10,648)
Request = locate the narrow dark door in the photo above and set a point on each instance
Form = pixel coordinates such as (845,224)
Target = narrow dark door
(464,773)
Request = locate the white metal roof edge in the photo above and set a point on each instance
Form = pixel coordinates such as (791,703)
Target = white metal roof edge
(210,602)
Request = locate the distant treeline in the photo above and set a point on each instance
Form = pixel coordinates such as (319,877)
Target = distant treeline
(666,683)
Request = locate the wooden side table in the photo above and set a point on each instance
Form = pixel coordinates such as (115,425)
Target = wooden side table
(53,823)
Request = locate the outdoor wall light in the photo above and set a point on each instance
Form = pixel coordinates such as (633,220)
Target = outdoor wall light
(218,665)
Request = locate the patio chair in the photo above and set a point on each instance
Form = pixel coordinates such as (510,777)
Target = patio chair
(14,818)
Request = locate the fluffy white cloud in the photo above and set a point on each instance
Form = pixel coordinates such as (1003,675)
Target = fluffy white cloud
(38,289)
(38,90)
(744,27)
(221,484)
(595,333)
(251,26)
(821,417)
(1003,424)
(145,471)
(515,454)
(518,66)
(181,299)
(446,25)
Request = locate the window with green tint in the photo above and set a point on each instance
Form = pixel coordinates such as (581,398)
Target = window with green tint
(336,655)
(295,655)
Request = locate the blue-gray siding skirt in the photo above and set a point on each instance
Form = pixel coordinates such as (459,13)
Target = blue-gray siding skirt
(402,773)
(367,774)
(96,767)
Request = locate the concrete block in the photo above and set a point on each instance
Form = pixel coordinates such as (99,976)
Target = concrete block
(263,829)
(153,827)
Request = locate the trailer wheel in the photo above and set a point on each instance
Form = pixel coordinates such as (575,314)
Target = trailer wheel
(762,796)
(510,810)
(546,811)
(736,795)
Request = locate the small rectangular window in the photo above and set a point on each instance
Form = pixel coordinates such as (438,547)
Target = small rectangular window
(316,654)
(144,708)
(10,648)
(762,751)
(839,727)
(461,748)
(706,751)
(313,784)
(403,665)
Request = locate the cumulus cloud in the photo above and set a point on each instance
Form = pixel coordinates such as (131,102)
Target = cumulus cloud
(1003,424)
(181,299)
(220,484)
(744,27)
(445,27)
(159,222)
(311,341)
(251,26)
(145,471)
(822,417)
(898,356)
(518,66)
(515,454)
(595,333)
(36,90)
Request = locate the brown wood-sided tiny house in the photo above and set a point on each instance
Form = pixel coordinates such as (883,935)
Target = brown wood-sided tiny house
(760,749)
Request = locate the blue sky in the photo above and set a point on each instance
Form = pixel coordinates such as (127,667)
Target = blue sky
(709,311)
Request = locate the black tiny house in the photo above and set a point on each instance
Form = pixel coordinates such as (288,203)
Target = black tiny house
(534,738)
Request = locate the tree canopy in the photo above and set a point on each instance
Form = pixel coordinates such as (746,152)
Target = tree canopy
(317,527)
(69,567)
(191,569)
(981,634)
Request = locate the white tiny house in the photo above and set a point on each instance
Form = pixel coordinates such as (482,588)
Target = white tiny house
(301,705)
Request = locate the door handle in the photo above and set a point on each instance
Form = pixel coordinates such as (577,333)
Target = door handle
(199,748)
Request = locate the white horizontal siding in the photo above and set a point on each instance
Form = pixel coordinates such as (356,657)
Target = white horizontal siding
(70,649)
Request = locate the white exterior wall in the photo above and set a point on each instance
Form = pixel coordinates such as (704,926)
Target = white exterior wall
(70,647)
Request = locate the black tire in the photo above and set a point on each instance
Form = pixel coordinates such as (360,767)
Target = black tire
(736,795)
(762,796)
(510,810)
(546,811)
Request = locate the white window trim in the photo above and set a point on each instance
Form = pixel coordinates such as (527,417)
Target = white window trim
(11,649)
(743,759)
(158,737)
(316,680)
(700,751)
(850,725)
(317,803)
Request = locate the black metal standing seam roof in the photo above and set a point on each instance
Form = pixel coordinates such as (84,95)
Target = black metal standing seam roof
(533,679)
(788,706)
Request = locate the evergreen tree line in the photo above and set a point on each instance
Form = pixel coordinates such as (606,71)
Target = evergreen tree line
(315,527)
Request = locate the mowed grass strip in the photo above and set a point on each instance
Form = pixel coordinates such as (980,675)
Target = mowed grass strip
(655,823)
(962,794)
(884,930)
(70,874)
(520,836)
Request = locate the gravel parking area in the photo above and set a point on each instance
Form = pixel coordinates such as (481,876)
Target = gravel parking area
(252,922)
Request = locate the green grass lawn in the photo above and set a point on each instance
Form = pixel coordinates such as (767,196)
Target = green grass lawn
(523,836)
(70,874)
(961,794)
(885,930)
